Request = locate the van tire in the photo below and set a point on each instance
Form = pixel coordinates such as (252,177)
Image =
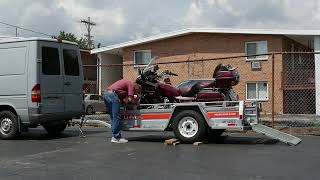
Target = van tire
(189,126)
(9,125)
(54,129)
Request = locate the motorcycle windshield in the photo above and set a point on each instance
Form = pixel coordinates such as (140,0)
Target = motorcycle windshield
(150,65)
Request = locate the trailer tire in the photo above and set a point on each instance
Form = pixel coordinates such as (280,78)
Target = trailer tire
(9,125)
(189,126)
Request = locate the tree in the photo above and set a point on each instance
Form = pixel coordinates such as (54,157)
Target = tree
(82,42)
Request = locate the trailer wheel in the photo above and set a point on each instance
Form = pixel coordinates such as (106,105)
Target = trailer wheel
(189,126)
(9,126)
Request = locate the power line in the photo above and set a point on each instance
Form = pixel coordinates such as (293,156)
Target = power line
(25,29)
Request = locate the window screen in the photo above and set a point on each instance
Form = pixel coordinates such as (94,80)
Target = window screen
(71,64)
(259,47)
(50,61)
(262,91)
(251,49)
(142,57)
(257,91)
(251,91)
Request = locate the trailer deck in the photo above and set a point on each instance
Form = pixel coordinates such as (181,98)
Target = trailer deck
(193,121)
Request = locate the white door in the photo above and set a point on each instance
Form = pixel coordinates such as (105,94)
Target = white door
(73,78)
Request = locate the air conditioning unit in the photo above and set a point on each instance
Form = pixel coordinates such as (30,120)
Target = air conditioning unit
(255,65)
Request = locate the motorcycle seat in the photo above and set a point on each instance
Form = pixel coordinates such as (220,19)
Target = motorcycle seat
(196,88)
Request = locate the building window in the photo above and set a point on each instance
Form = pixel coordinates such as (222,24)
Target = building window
(257,91)
(254,48)
(142,57)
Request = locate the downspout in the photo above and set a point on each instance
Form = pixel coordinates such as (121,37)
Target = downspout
(317,72)
(99,62)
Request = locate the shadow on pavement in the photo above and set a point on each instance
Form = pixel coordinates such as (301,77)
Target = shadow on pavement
(150,138)
(242,140)
(41,134)
(219,140)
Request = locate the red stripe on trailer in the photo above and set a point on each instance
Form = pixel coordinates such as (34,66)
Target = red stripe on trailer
(232,124)
(156,116)
(222,114)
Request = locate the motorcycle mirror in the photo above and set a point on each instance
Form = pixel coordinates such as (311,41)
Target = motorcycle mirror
(231,67)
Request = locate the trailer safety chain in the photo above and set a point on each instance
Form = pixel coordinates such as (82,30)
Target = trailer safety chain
(82,121)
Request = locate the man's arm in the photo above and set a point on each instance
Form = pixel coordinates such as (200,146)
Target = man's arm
(130,88)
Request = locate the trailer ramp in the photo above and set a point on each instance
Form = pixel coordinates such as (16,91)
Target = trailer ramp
(275,134)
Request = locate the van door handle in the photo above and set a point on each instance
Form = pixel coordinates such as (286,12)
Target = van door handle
(52,97)
(67,83)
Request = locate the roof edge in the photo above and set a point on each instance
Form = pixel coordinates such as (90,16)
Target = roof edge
(206,30)
(10,39)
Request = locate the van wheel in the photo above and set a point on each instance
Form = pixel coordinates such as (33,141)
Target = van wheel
(90,110)
(53,129)
(9,126)
(189,126)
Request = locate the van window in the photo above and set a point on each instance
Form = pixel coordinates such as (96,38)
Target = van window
(13,60)
(50,61)
(71,64)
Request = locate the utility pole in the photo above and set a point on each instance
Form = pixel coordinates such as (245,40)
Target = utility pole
(89,24)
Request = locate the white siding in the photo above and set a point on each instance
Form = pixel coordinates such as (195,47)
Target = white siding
(317,73)
(107,74)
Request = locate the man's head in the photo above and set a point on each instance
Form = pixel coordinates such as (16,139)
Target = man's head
(137,89)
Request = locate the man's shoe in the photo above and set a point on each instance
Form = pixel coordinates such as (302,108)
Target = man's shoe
(118,140)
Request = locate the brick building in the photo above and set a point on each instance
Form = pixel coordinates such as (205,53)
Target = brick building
(255,71)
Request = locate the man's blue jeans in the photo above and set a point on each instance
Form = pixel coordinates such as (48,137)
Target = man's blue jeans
(112,102)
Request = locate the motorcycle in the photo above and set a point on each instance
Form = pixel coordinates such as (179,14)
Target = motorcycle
(217,89)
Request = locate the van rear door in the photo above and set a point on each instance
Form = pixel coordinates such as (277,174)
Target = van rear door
(73,78)
(51,79)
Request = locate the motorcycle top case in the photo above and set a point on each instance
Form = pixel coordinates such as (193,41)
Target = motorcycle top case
(226,78)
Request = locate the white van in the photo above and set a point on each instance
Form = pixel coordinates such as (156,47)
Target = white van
(40,84)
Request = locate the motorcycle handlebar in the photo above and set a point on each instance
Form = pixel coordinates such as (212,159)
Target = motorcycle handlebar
(167,72)
(174,74)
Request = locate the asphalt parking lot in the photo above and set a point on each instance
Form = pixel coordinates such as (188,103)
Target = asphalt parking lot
(234,156)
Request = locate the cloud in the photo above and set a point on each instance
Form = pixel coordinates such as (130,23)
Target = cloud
(292,14)
(119,21)
(109,19)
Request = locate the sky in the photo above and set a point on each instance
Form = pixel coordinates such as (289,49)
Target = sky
(124,20)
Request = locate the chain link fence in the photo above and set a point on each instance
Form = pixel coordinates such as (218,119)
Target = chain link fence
(282,83)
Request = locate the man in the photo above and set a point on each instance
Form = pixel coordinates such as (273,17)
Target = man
(122,91)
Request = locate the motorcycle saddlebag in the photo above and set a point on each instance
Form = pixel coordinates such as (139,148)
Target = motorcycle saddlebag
(207,96)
